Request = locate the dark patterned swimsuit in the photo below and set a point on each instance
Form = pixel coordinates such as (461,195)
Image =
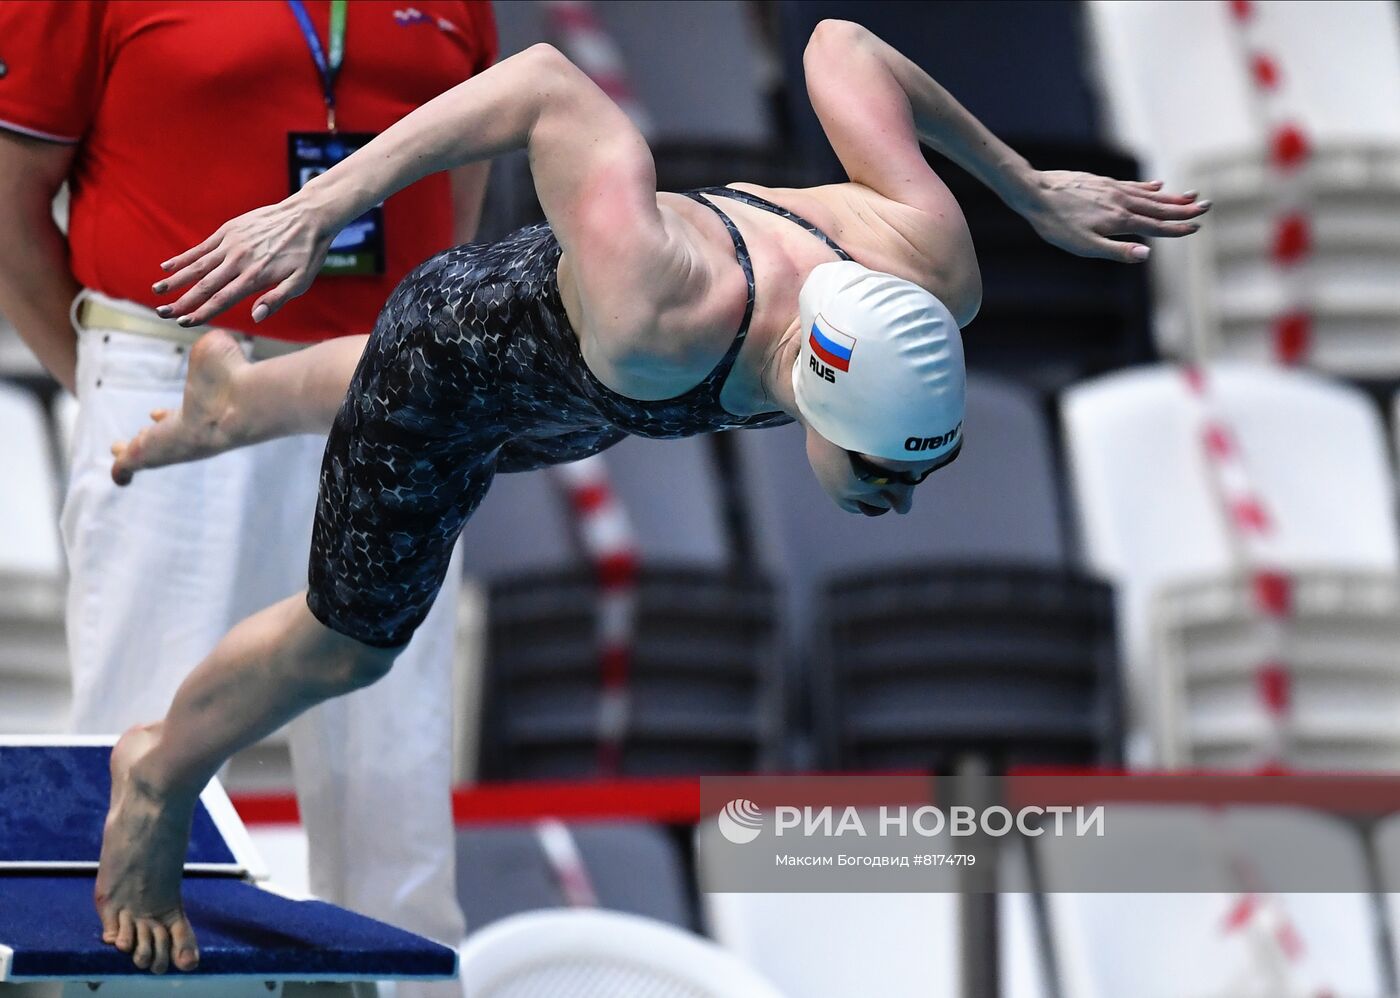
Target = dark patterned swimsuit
(473,369)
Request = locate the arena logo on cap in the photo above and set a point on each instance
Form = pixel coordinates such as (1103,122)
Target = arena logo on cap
(932,443)
(832,346)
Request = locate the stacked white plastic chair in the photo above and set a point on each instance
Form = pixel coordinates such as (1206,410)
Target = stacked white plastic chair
(1347,243)
(1342,650)
(1336,72)
(1149,514)
(601,954)
(34,688)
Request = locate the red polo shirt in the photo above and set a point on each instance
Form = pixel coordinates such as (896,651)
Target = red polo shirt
(181,109)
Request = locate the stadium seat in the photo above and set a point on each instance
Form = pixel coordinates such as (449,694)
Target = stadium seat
(1351,197)
(998,503)
(834,945)
(34,688)
(1340,644)
(507,869)
(600,954)
(1234,916)
(924,666)
(1148,513)
(890,944)
(888,617)
(702,684)
(1170,119)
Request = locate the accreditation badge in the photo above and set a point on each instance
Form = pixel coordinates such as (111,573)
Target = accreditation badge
(359,247)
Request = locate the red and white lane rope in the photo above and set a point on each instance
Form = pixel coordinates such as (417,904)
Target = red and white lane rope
(606,534)
(575,27)
(1253,537)
(566,863)
(1274,941)
(1289,148)
(1252,531)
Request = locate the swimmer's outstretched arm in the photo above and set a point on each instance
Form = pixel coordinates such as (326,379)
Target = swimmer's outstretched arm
(592,170)
(877,106)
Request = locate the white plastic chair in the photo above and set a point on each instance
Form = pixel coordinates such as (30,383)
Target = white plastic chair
(574,953)
(892,945)
(1341,644)
(1149,517)
(834,945)
(889,944)
(1183,944)
(1341,62)
(1347,282)
(1342,58)
(997,504)
(34,692)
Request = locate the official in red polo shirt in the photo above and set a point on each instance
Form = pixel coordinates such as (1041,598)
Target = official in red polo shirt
(167,117)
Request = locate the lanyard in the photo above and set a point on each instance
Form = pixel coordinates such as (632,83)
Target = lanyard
(328,70)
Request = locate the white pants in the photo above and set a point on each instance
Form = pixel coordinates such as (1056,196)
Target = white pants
(159,572)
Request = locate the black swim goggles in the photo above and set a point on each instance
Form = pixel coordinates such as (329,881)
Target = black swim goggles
(872,475)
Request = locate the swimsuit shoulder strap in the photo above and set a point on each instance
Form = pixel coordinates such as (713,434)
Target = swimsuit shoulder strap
(741,251)
(753,200)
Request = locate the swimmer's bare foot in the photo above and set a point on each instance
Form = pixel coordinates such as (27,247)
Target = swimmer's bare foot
(208,421)
(143,856)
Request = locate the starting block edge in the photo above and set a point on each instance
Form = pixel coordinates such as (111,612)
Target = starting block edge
(6,957)
(247,860)
(57,741)
(216,801)
(251,978)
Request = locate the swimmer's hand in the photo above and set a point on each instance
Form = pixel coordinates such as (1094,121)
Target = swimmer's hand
(1081,212)
(281,246)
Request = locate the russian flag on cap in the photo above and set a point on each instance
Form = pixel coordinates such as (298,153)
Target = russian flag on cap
(831,346)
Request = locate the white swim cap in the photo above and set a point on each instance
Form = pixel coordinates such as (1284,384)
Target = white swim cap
(880,370)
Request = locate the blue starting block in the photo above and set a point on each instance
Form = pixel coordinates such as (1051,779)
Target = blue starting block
(252,939)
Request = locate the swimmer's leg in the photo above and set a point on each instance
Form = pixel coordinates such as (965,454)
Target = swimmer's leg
(230,402)
(265,671)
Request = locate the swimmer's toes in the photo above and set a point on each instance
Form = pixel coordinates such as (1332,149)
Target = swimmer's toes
(142,955)
(160,948)
(184,945)
(126,931)
(108,914)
